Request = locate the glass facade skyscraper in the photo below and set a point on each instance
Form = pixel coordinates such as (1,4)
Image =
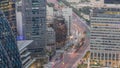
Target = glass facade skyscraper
(34,24)
(8,7)
(105,37)
(9,55)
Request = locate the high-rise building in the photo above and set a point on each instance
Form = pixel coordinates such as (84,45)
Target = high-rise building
(8,7)
(67,14)
(105,37)
(34,24)
(9,55)
(19,20)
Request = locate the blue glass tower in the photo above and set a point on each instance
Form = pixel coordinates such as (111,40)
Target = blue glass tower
(9,55)
(8,7)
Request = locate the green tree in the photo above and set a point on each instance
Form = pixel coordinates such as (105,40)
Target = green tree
(82,66)
(85,0)
(50,4)
(85,10)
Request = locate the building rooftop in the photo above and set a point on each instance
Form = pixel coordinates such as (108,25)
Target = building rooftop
(50,29)
(23,43)
(112,5)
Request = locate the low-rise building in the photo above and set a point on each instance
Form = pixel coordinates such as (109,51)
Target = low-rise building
(24,53)
(60,28)
(98,4)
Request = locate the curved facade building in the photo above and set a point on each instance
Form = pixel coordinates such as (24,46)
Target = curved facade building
(9,55)
(8,7)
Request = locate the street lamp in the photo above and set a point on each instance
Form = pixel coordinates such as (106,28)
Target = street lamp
(71,37)
(95,63)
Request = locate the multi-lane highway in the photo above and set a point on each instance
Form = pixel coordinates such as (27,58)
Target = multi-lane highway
(70,60)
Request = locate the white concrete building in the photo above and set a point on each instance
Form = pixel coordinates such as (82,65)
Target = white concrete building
(50,11)
(105,37)
(50,14)
(67,14)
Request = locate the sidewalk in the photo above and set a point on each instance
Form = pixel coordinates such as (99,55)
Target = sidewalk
(74,66)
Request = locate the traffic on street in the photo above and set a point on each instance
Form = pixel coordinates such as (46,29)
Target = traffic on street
(79,43)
